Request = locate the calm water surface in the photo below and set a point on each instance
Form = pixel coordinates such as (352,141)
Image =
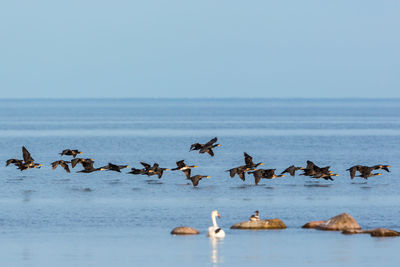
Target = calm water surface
(52,218)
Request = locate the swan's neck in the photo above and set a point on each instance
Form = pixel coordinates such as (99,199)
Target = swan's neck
(214,221)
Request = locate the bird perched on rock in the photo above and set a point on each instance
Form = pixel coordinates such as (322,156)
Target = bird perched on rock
(255,217)
(207,147)
(70,152)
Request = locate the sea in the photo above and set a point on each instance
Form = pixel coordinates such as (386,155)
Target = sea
(54,218)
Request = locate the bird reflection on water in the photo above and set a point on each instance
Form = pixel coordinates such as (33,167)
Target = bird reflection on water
(215,257)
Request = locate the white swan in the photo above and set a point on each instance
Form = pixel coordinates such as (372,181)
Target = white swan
(215,231)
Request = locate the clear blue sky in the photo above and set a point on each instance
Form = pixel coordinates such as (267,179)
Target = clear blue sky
(202,48)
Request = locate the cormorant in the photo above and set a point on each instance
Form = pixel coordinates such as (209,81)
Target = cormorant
(205,147)
(291,170)
(69,152)
(184,168)
(26,163)
(113,167)
(195,179)
(62,163)
(248,160)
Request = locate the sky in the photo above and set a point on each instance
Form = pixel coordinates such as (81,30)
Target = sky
(207,49)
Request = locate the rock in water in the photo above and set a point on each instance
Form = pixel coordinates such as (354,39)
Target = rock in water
(382,232)
(378,232)
(259,225)
(340,222)
(184,230)
(353,232)
(312,225)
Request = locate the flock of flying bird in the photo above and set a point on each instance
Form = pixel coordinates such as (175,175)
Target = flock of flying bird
(249,167)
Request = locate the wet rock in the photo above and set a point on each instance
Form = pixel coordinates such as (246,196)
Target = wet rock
(353,232)
(259,225)
(382,232)
(184,230)
(378,232)
(312,224)
(340,222)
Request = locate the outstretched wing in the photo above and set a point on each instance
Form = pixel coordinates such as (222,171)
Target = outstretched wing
(248,160)
(187,173)
(180,164)
(212,141)
(352,171)
(65,166)
(211,152)
(241,175)
(26,155)
(145,165)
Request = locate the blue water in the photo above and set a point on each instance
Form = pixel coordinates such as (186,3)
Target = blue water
(52,218)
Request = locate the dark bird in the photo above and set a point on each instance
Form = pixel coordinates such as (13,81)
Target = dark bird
(195,179)
(26,163)
(184,168)
(154,170)
(291,170)
(264,173)
(88,167)
(62,163)
(81,161)
(313,169)
(149,170)
(70,152)
(255,217)
(240,171)
(158,170)
(248,160)
(113,167)
(205,147)
(366,171)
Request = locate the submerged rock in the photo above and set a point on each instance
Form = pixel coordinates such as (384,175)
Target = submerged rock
(353,232)
(184,230)
(312,224)
(340,222)
(259,225)
(378,232)
(382,232)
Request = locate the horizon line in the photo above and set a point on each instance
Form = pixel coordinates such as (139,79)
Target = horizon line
(199,98)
